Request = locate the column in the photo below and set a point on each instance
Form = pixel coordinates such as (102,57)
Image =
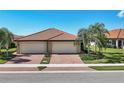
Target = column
(111,42)
(122,44)
(116,43)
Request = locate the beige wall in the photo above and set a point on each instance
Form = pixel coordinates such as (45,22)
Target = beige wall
(32,47)
(64,47)
(53,47)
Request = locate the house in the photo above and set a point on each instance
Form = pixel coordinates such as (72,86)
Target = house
(116,38)
(17,37)
(48,41)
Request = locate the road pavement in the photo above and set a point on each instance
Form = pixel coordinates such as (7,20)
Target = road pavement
(81,77)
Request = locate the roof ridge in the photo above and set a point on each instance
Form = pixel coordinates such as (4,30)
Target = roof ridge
(117,29)
(36,33)
(58,33)
(64,32)
(56,36)
(69,33)
(119,33)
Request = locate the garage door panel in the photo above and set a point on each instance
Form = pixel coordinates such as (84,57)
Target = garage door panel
(33,47)
(63,47)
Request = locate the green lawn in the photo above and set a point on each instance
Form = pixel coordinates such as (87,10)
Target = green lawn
(106,58)
(109,50)
(110,55)
(10,50)
(45,60)
(113,50)
(3,58)
(2,61)
(106,68)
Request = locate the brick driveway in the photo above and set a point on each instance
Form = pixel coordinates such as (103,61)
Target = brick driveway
(66,59)
(24,59)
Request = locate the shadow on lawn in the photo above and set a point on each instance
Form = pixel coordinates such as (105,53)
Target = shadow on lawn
(114,57)
(104,58)
(3,56)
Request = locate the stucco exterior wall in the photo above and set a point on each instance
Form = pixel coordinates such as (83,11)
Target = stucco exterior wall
(33,47)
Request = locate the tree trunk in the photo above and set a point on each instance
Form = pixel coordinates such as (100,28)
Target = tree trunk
(0,48)
(0,51)
(95,47)
(99,49)
(88,49)
(7,53)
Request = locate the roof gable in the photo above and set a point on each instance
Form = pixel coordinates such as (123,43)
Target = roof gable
(49,34)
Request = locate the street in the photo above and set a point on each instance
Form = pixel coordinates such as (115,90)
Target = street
(81,77)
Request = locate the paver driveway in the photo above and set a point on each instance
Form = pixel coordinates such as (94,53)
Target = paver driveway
(66,59)
(24,59)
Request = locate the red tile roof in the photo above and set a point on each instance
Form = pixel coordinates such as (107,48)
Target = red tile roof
(49,34)
(116,34)
(17,37)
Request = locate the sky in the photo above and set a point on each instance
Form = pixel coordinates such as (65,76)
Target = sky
(25,22)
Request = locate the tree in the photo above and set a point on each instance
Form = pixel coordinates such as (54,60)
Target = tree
(98,31)
(6,39)
(94,33)
(2,36)
(84,37)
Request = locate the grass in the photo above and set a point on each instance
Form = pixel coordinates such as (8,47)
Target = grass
(2,61)
(3,58)
(106,68)
(45,60)
(105,58)
(10,50)
(113,50)
(109,50)
(110,55)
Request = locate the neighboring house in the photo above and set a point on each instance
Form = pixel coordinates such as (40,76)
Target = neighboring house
(17,37)
(116,38)
(48,41)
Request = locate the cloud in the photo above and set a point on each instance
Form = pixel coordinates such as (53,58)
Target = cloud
(121,14)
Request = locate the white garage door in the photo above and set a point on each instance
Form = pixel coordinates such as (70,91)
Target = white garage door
(33,47)
(63,47)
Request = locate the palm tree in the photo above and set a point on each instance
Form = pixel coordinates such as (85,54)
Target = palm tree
(98,31)
(7,39)
(94,33)
(2,36)
(84,37)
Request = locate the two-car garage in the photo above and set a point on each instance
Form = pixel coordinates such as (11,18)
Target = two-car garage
(41,47)
(48,41)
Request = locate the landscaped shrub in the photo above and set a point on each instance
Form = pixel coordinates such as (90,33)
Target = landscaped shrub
(13,45)
(109,46)
(5,57)
(92,56)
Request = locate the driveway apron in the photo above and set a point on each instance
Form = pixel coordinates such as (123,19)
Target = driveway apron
(66,59)
(24,59)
